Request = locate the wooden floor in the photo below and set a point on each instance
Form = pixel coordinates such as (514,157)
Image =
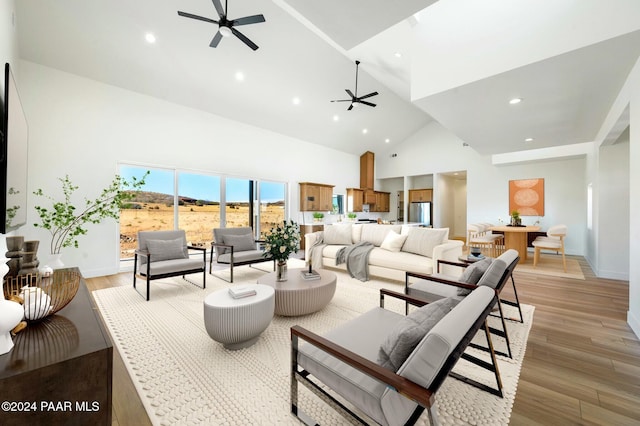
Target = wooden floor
(581,367)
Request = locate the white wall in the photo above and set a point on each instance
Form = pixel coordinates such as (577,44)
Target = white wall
(434,149)
(84,128)
(613,217)
(633,317)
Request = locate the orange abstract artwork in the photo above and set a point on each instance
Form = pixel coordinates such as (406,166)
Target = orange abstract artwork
(527,197)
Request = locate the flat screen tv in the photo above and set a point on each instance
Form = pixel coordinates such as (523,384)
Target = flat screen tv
(13,157)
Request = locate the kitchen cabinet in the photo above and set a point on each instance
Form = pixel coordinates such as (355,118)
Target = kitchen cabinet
(369,197)
(382,202)
(367,163)
(420,195)
(316,197)
(355,198)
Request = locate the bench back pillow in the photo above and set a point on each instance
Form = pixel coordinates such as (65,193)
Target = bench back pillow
(422,241)
(374,233)
(338,234)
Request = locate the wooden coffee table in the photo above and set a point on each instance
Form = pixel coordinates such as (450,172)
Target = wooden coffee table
(298,296)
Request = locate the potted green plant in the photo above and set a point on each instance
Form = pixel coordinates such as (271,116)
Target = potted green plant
(515,218)
(66,222)
(317,216)
(352,216)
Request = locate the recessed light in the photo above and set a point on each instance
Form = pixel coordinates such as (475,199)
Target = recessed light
(150,38)
(365,131)
(296,101)
(239,76)
(398,55)
(336,118)
(387,140)
(528,140)
(515,101)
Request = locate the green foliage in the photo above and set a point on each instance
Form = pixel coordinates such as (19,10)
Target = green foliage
(66,222)
(515,214)
(282,240)
(318,215)
(351,215)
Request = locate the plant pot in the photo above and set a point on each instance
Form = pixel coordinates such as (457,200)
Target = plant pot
(55,261)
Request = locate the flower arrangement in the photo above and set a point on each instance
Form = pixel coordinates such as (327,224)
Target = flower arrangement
(282,240)
(515,218)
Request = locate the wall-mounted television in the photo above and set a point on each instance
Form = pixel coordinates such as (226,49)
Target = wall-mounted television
(14,146)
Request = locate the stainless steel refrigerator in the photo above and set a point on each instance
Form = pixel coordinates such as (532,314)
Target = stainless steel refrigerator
(420,213)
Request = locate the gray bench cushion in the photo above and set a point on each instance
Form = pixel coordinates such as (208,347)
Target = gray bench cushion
(172,266)
(362,335)
(242,256)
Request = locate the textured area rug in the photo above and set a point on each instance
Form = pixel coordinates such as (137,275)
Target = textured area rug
(551,265)
(185,378)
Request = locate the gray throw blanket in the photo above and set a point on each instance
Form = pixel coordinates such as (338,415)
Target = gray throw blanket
(357,259)
(315,252)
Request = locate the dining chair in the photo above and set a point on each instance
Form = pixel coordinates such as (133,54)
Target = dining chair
(554,240)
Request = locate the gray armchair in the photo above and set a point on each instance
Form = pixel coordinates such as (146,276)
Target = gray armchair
(347,360)
(236,247)
(163,254)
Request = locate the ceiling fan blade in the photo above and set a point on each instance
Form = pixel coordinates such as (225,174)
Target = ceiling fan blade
(248,20)
(350,93)
(350,107)
(367,103)
(215,40)
(244,39)
(200,18)
(368,96)
(343,100)
(219,9)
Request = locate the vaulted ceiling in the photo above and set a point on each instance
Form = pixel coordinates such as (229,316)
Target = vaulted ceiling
(307,51)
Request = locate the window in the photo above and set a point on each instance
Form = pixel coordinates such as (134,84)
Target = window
(197,203)
(152,209)
(272,211)
(198,207)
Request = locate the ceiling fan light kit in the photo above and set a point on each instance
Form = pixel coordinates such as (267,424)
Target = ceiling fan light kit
(226,26)
(355,99)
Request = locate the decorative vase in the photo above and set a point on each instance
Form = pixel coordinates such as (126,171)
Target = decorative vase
(55,261)
(11,314)
(14,253)
(281,270)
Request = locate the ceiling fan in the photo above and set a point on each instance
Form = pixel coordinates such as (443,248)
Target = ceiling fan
(355,99)
(226,26)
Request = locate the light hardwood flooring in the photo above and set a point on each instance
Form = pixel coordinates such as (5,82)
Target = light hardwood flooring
(581,367)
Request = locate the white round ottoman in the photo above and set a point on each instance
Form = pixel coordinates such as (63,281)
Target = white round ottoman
(237,323)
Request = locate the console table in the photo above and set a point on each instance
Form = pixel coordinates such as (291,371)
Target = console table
(60,369)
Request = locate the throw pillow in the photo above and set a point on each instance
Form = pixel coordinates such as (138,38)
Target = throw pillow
(166,249)
(375,233)
(241,242)
(337,234)
(410,330)
(422,241)
(473,273)
(393,241)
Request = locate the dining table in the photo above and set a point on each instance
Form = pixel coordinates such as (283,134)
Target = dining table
(516,237)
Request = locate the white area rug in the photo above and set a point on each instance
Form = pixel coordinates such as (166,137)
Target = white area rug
(185,378)
(551,265)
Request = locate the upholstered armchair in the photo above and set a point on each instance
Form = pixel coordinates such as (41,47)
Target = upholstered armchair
(235,247)
(163,254)
(388,383)
(493,273)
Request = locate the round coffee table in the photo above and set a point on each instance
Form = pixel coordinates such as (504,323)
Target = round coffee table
(237,323)
(298,296)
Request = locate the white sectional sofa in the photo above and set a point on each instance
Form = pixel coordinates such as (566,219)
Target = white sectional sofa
(397,248)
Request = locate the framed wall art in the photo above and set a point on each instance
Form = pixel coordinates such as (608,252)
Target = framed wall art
(527,197)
